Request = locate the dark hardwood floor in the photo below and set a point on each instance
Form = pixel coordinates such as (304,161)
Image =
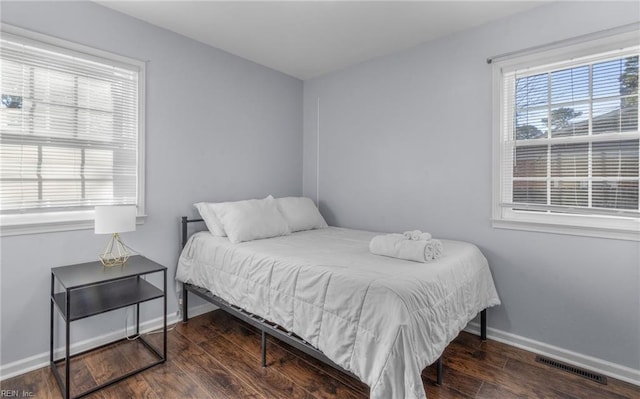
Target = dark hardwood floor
(217,356)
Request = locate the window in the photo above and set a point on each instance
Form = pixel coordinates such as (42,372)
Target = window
(567,141)
(71,132)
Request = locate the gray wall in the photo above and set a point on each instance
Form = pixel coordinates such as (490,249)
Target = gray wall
(406,142)
(218,128)
(390,131)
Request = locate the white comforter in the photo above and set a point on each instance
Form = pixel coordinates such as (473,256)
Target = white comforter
(381,318)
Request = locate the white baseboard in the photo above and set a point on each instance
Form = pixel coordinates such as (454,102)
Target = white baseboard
(42,360)
(612,370)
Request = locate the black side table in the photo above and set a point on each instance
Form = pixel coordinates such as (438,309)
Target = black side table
(90,289)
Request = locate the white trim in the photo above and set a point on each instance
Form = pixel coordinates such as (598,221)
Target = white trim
(607,45)
(92,53)
(618,41)
(613,370)
(610,369)
(604,137)
(20,224)
(42,359)
(567,42)
(318,155)
(142,134)
(591,231)
(46,222)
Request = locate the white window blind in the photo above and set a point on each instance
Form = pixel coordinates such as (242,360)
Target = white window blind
(569,140)
(69,129)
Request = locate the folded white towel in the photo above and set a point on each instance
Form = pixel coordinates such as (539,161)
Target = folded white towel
(413,234)
(432,249)
(439,248)
(417,235)
(424,236)
(398,246)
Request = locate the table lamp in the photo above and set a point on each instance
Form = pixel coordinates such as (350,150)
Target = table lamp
(115,219)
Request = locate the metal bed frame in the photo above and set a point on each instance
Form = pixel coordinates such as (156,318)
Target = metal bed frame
(268,328)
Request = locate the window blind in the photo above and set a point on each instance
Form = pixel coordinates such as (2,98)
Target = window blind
(68,129)
(570,141)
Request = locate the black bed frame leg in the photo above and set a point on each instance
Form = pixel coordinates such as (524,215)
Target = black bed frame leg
(439,371)
(483,325)
(264,349)
(185,303)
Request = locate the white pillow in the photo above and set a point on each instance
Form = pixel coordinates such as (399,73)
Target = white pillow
(301,213)
(207,211)
(251,219)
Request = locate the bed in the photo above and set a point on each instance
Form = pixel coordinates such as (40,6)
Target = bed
(380,319)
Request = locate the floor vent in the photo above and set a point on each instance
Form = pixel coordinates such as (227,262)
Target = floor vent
(599,378)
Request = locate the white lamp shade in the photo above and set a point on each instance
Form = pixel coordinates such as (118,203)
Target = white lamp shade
(115,219)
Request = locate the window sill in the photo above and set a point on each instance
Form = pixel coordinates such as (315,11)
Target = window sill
(576,230)
(12,225)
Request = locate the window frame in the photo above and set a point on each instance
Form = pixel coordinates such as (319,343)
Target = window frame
(60,220)
(602,226)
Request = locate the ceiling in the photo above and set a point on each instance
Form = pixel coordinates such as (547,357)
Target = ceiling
(306,39)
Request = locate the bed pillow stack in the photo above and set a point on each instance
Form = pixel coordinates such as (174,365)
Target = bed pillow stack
(260,218)
(208,213)
(412,245)
(301,213)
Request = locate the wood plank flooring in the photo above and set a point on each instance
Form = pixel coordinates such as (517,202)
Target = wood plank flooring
(217,356)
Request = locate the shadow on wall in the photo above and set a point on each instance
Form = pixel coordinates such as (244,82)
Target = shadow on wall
(327,214)
(499,312)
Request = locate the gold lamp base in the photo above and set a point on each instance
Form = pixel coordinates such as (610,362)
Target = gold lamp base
(115,253)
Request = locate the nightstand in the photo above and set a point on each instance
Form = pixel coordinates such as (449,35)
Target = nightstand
(89,289)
